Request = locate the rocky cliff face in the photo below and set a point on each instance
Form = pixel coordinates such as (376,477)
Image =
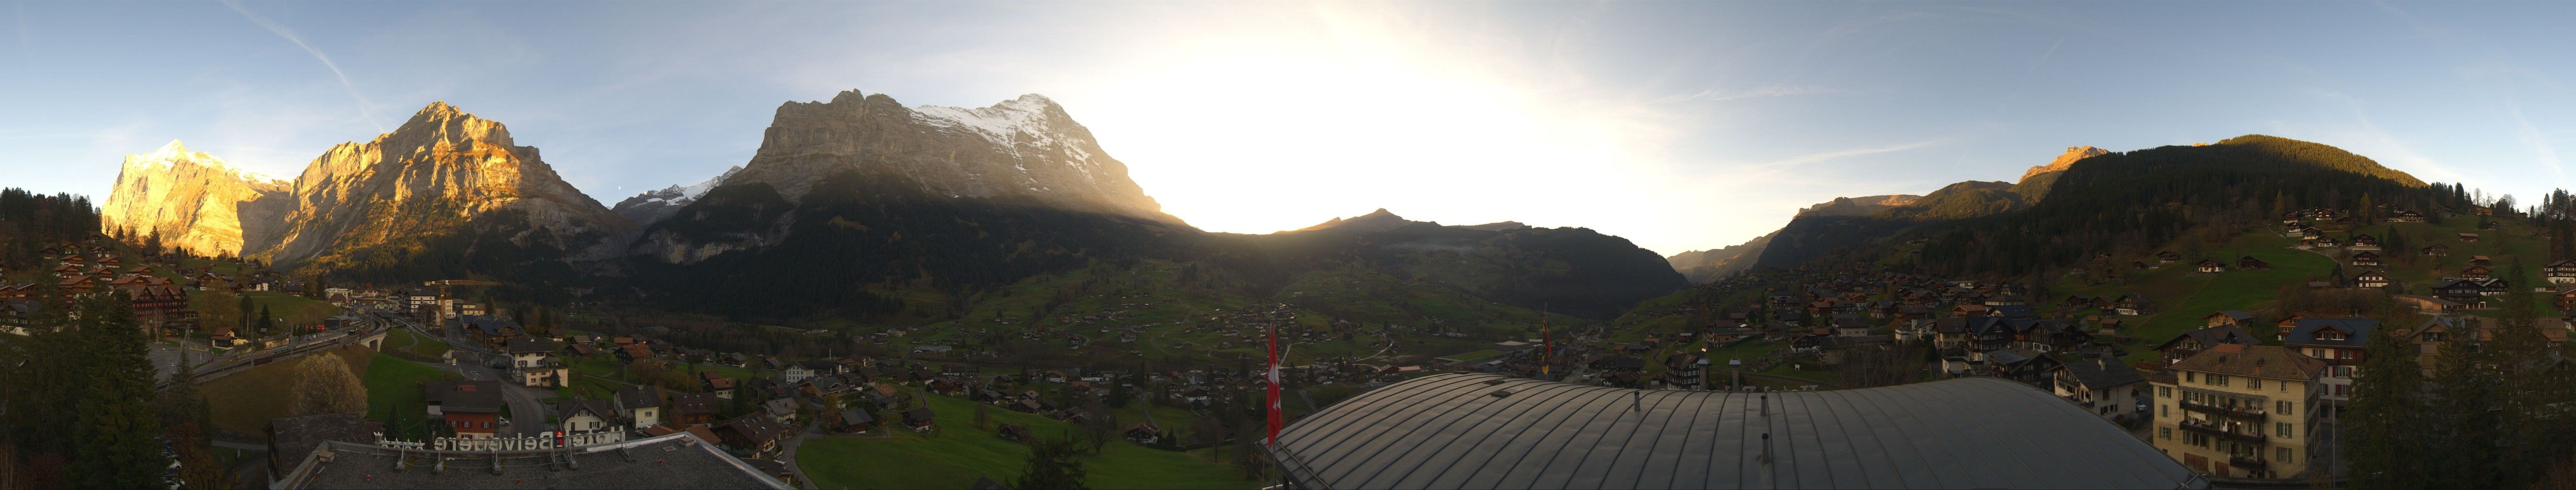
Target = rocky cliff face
(646,208)
(196,202)
(1024,150)
(2034,183)
(1025,147)
(433,175)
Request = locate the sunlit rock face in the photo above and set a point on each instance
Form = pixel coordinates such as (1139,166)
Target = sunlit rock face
(195,202)
(434,173)
(1023,147)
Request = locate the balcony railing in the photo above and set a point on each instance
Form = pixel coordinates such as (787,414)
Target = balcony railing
(2224,432)
(2247,463)
(2228,410)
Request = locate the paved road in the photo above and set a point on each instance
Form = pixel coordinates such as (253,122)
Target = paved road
(527,415)
(788,456)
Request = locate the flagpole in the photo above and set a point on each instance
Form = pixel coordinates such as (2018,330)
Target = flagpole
(1274,387)
(1547,345)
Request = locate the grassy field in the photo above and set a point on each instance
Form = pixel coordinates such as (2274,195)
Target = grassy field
(396,383)
(405,341)
(960,452)
(244,402)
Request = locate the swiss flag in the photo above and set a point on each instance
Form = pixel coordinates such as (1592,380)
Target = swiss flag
(1274,386)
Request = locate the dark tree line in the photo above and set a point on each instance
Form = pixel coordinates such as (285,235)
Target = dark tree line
(2491,414)
(2126,201)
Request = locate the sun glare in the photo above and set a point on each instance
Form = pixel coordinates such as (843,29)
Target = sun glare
(1254,133)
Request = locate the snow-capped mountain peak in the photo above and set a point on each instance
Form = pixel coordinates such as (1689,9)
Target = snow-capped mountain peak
(656,204)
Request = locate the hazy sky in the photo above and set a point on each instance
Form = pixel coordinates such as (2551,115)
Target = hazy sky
(1678,125)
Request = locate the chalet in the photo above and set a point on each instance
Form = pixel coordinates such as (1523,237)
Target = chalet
(1013,432)
(919,419)
(2407,217)
(2324,242)
(2193,342)
(782,410)
(2493,286)
(532,363)
(1144,433)
(1969,310)
(2364,241)
(2465,292)
(2211,266)
(492,332)
(2250,263)
(2481,260)
(694,409)
(2311,232)
(2106,387)
(756,435)
(710,382)
(2560,272)
(2133,304)
(2437,250)
(468,408)
(849,420)
(2340,343)
(585,415)
(2372,279)
(2482,211)
(638,406)
(2476,272)
(2167,257)
(2227,318)
(2468,238)
(633,352)
(2020,364)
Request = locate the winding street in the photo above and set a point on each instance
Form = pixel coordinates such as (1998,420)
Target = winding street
(527,415)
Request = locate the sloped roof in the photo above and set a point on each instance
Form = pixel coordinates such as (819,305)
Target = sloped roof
(2356,331)
(2100,374)
(1488,431)
(2260,361)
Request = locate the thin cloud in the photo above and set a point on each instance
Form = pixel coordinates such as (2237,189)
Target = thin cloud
(1848,153)
(364,106)
(1774,90)
(2531,136)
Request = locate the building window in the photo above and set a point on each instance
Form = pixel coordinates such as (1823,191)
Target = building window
(2254,383)
(2218,380)
(2164,391)
(2164,410)
(2285,430)
(2285,408)
(2188,376)
(2284,454)
(2165,433)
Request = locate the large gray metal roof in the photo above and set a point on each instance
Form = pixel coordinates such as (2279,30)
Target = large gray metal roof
(1452,431)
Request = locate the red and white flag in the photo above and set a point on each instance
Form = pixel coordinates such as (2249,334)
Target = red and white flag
(1274,386)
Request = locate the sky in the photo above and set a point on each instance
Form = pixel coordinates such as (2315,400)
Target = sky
(1679,126)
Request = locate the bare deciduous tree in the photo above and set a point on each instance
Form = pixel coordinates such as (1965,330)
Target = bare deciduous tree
(325,384)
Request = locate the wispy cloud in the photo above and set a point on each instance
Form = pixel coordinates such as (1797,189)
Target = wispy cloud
(365,107)
(1773,90)
(1825,156)
(2531,136)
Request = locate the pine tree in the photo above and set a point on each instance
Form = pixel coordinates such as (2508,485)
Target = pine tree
(2383,431)
(116,425)
(1052,464)
(2462,445)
